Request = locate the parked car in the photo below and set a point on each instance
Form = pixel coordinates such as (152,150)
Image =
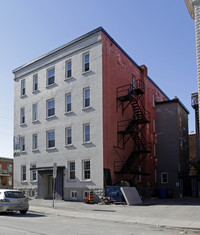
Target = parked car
(13,200)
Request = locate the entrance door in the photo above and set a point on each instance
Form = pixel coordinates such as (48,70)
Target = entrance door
(48,186)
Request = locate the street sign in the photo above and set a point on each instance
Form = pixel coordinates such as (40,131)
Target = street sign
(54,170)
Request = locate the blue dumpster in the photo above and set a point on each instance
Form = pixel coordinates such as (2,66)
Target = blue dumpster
(163,193)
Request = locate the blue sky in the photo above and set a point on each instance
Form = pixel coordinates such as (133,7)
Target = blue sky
(159,34)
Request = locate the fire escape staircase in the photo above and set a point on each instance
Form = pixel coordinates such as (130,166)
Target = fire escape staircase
(127,129)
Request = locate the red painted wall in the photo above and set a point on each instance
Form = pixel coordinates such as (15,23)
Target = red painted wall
(118,70)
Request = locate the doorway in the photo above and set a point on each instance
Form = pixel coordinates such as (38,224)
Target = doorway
(48,186)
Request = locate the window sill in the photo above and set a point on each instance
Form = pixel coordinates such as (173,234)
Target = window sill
(33,181)
(23,181)
(51,85)
(72,180)
(67,79)
(35,91)
(86,180)
(51,117)
(69,112)
(23,124)
(35,121)
(86,108)
(68,145)
(51,149)
(23,96)
(35,150)
(86,142)
(85,72)
(24,151)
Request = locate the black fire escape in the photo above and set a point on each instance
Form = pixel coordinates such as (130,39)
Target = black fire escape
(132,130)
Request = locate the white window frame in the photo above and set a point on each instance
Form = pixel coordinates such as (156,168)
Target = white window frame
(22,144)
(72,170)
(67,104)
(47,104)
(85,170)
(22,116)
(68,139)
(23,87)
(86,64)
(86,134)
(23,173)
(35,112)
(68,69)
(86,99)
(163,181)
(47,137)
(35,143)
(35,82)
(48,77)
(73,195)
(33,173)
(10,180)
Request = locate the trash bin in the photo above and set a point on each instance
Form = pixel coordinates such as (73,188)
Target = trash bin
(163,193)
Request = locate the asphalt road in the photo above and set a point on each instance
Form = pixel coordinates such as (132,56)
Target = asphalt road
(35,223)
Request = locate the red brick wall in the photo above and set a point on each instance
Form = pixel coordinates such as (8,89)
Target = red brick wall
(117,71)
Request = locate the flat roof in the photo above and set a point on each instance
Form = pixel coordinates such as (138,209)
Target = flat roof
(79,39)
(175,100)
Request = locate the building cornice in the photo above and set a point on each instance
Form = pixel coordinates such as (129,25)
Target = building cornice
(190,5)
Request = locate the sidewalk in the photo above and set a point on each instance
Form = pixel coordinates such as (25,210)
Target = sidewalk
(181,213)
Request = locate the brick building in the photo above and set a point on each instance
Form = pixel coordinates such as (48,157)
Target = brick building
(90,108)
(6,172)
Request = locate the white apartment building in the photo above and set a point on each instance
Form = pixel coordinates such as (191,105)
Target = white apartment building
(58,119)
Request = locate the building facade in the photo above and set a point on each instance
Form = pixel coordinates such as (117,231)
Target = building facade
(173,147)
(6,173)
(88,107)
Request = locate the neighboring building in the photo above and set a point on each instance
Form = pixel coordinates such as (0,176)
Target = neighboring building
(6,173)
(88,107)
(194,10)
(172,148)
(192,153)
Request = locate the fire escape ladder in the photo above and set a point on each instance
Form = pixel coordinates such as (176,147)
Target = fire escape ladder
(132,128)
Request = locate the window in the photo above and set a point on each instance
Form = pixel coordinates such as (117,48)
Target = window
(68,100)
(86,98)
(68,136)
(50,76)
(35,142)
(86,169)
(23,88)
(154,126)
(72,170)
(153,100)
(73,195)
(51,139)
(33,172)
(139,177)
(50,108)
(154,150)
(35,112)
(10,180)
(35,82)
(22,116)
(23,173)
(22,144)
(164,178)
(86,135)
(10,170)
(68,69)
(86,61)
